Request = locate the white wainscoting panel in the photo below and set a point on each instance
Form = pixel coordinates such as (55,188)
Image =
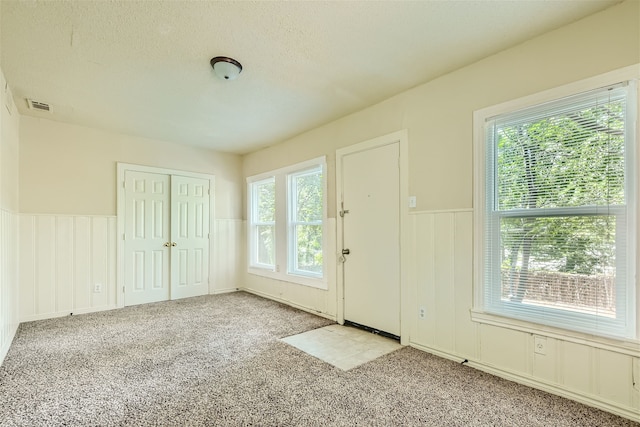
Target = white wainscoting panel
(227,255)
(62,259)
(313,300)
(441,281)
(8,280)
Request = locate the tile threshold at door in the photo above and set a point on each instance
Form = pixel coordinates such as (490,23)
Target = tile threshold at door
(342,346)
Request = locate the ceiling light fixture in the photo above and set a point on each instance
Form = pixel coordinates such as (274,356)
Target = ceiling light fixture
(226,68)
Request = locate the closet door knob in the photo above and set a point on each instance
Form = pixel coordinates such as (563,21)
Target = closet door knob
(174,244)
(167,244)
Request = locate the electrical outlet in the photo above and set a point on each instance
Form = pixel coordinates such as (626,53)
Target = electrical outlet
(97,287)
(422,313)
(540,345)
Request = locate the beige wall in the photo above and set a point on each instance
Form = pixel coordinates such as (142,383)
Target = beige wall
(68,169)
(439,118)
(438,114)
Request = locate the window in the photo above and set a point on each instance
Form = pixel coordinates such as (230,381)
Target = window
(305,222)
(263,222)
(287,212)
(558,227)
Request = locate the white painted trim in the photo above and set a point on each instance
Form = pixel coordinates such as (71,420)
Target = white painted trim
(281,272)
(45,316)
(400,137)
(631,72)
(66,215)
(289,303)
(605,405)
(612,77)
(440,211)
(479,183)
(322,160)
(283,276)
(120,198)
(9,279)
(224,291)
(7,344)
(405,239)
(628,347)
(166,171)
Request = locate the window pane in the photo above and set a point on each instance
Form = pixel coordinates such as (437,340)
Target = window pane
(265,199)
(265,244)
(309,253)
(561,262)
(309,197)
(567,157)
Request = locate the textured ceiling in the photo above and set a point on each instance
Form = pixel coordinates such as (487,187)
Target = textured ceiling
(142,67)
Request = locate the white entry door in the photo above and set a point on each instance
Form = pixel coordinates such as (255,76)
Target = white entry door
(166,239)
(371,233)
(147,236)
(190,236)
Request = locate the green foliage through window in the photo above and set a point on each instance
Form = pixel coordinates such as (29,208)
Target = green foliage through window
(306,221)
(557,205)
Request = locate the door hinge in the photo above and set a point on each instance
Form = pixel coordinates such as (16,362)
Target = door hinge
(124,184)
(123,289)
(124,236)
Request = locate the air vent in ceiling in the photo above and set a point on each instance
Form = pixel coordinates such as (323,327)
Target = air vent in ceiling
(39,106)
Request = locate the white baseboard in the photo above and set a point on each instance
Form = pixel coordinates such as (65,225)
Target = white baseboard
(45,316)
(289,303)
(7,344)
(224,291)
(558,390)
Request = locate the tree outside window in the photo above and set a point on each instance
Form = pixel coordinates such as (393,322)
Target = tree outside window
(557,209)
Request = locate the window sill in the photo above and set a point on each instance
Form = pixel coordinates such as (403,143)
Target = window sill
(311,282)
(628,347)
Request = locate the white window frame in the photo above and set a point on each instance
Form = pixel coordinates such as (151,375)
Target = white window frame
(254,224)
(293,222)
(481,311)
(283,236)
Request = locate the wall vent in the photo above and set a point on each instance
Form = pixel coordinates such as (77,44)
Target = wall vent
(39,106)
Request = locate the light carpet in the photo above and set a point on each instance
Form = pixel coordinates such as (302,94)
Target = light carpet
(218,360)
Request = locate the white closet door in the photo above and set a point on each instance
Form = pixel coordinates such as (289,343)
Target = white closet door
(146,260)
(189,236)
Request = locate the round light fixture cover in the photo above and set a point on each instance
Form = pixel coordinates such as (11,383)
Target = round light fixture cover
(226,68)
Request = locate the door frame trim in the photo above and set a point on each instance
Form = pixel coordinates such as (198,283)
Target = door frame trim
(121,168)
(400,137)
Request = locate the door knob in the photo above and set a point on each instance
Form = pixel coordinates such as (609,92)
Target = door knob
(346,252)
(174,244)
(167,244)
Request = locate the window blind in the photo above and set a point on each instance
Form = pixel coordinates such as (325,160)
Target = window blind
(558,202)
